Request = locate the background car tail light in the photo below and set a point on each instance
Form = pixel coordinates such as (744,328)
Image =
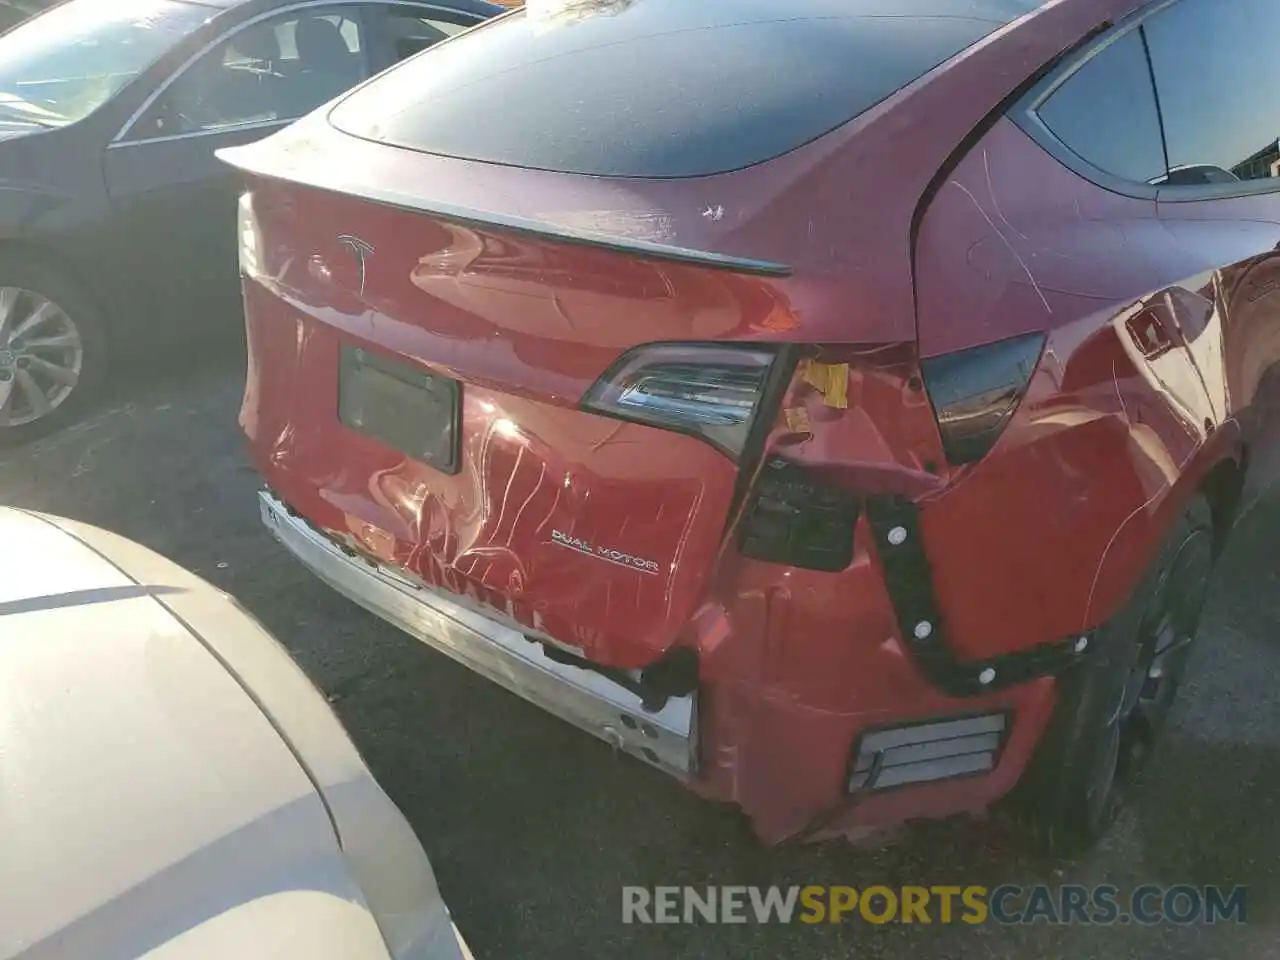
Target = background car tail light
(250,238)
(707,390)
(975,392)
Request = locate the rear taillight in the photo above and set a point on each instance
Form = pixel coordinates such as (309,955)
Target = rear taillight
(975,392)
(708,390)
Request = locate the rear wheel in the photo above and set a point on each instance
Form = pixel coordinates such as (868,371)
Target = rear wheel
(1114,706)
(53,354)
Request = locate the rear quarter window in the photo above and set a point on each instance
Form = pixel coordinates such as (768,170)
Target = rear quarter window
(662,88)
(1106,113)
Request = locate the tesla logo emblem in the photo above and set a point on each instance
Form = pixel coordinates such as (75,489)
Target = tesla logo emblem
(362,251)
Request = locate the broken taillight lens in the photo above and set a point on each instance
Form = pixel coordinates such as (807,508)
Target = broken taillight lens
(975,392)
(708,390)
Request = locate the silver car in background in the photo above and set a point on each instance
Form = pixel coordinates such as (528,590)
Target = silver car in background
(171,783)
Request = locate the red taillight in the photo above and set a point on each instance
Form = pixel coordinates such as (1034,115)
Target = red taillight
(709,390)
(975,392)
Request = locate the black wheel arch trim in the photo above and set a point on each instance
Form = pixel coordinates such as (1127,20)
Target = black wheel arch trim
(908,577)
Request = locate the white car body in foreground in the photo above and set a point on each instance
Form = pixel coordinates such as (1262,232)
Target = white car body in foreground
(171,783)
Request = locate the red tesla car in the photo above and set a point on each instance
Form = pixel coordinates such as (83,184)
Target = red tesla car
(838,404)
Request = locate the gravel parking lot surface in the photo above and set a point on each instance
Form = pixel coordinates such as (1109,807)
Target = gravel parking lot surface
(534,827)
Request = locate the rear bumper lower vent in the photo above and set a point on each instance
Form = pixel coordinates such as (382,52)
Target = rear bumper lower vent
(927,752)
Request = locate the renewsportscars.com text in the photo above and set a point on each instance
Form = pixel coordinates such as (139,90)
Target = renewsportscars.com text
(1007,904)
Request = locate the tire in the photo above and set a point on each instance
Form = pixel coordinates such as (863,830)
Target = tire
(1113,706)
(63,357)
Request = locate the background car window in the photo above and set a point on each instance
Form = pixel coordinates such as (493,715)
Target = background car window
(412,32)
(60,66)
(1106,113)
(347,26)
(274,70)
(1218,73)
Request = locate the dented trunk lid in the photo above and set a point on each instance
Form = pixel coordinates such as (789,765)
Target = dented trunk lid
(514,291)
(586,531)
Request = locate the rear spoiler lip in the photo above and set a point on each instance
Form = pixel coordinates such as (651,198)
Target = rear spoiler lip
(465,216)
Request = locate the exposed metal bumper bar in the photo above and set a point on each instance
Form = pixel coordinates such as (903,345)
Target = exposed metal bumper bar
(582,697)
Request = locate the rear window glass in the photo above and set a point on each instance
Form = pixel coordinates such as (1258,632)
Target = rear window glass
(662,88)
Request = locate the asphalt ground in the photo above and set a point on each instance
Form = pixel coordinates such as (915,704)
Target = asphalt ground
(534,828)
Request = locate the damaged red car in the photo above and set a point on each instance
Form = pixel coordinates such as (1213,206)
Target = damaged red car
(837,404)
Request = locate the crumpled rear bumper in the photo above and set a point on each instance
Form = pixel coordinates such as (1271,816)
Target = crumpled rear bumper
(795,769)
(586,699)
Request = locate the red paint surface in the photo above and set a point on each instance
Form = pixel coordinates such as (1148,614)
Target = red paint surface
(1043,538)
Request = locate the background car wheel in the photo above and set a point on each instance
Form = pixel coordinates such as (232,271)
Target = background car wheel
(1113,707)
(53,355)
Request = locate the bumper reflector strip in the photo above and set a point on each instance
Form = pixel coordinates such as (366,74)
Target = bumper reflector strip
(927,752)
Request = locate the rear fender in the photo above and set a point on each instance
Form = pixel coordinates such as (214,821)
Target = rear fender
(1123,420)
